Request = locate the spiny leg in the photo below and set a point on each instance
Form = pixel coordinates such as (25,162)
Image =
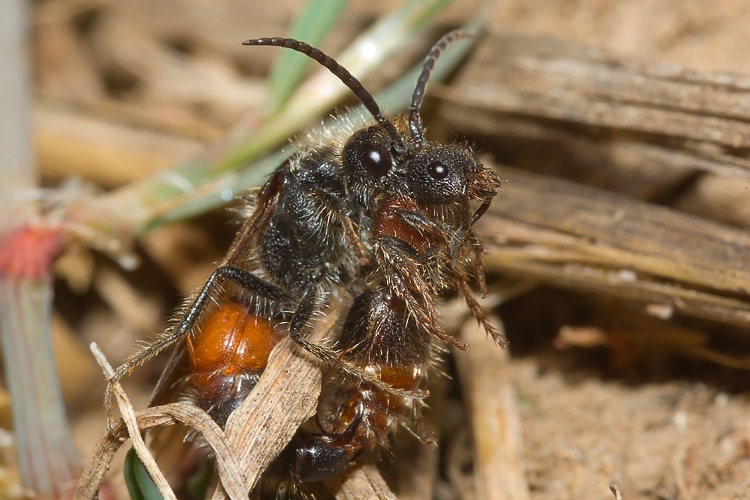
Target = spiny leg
(478,312)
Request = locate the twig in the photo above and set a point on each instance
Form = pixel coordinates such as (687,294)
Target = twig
(150,418)
(131,422)
(104,151)
(365,483)
(498,464)
(585,238)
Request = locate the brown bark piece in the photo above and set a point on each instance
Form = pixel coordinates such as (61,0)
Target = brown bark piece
(584,238)
(552,79)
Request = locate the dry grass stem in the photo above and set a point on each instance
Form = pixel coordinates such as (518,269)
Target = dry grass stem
(131,422)
(584,238)
(616,492)
(151,418)
(110,153)
(365,483)
(499,469)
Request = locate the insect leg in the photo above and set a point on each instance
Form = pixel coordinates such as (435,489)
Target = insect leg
(416,427)
(299,322)
(297,332)
(405,280)
(336,208)
(478,313)
(479,270)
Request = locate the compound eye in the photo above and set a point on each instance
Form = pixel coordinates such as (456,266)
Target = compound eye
(375,158)
(437,170)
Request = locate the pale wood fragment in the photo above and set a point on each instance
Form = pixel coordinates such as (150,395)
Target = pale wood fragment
(365,483)
(720,198)
(131,422)
(499,471)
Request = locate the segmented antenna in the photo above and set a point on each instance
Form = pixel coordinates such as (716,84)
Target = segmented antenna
(415,121)
(342,73)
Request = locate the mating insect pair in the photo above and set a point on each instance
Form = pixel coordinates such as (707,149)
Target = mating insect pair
(380,214)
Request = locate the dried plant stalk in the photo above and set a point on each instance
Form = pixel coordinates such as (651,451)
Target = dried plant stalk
(499,470)
(365,482)
(584,238)
(703,114)
(133,423)
(286,395)
(107,152)
(46,456)
(150,418)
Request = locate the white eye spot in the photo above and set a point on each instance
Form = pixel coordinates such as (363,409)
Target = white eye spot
(368,51)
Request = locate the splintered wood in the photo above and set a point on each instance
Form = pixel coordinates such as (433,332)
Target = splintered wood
(548,79)
(653,122)
(583,238)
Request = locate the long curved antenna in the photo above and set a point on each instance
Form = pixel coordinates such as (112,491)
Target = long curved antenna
(342,73)
(415,120)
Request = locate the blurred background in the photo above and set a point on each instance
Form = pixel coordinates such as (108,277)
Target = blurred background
(606,389)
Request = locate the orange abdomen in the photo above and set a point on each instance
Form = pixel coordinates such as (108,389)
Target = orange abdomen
(231,342)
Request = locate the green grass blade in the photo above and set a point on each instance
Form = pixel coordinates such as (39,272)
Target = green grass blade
(395,97)
(311,26)
(139,483)
(108,221)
